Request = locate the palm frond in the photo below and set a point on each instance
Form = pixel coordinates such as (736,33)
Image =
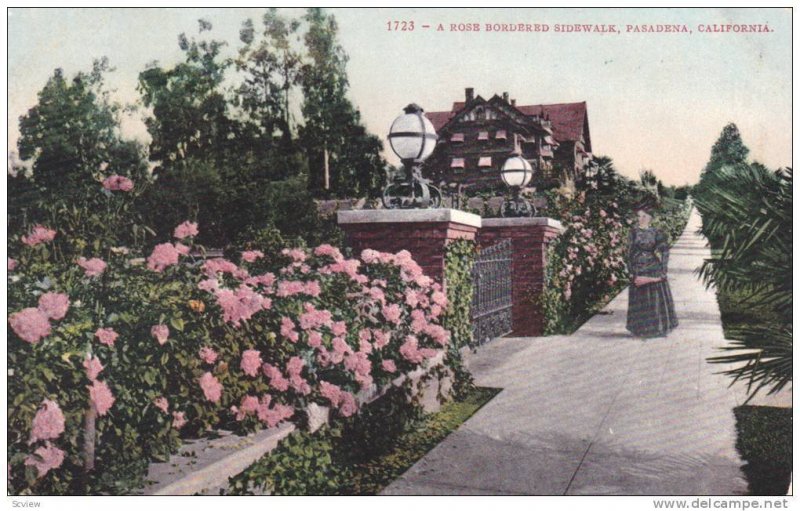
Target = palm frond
(747,218)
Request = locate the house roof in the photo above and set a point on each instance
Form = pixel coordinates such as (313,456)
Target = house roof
(439,119)
(568,119)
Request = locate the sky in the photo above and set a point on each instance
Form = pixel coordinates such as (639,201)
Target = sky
(655,101)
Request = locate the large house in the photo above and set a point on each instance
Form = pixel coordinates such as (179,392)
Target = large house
(477,136)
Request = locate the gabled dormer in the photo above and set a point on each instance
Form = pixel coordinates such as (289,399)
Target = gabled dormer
(478,111)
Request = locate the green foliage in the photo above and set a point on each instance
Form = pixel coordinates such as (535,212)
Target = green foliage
(671,217)
(326,463)
(72,133)
(458,262)
(131,298)
(271,68)
(190,115)
(747,217)
(764,440)
(332,131)
(302,464)
(228,157)
(370,433)
(586,264)
(71,140)
(196,144)
(729,149)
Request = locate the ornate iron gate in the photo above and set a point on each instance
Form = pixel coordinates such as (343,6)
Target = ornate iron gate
(491,300)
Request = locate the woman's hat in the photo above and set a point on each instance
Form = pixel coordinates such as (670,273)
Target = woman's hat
(648,205)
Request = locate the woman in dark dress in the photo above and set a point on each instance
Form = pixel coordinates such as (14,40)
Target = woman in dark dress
(651,311)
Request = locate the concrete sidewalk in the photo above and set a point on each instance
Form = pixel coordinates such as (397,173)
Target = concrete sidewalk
(599,412)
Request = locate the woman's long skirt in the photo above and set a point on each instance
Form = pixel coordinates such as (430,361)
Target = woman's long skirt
(651,311)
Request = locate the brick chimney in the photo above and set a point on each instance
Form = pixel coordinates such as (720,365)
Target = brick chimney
(513,102)
(505,97)
(469,93)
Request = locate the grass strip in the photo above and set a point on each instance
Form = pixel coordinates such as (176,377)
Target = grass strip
(370,476)
(355,458)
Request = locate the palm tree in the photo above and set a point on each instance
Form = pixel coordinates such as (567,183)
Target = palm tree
(747,217)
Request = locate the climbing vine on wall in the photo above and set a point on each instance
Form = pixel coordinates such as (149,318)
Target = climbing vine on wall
(459,260)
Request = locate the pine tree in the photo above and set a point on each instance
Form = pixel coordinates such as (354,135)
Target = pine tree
(728,149)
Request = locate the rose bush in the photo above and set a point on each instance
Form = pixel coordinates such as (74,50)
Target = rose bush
(116,354)
(586,265)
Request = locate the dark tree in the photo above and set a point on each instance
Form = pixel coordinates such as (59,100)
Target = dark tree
(728,149)
(71,136)
(344,160)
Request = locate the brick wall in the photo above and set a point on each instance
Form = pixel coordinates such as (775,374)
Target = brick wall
(529,245)
(426,233)
(425,241)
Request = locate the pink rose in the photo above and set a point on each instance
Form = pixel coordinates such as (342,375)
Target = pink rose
(178,420)
(208,355)
(162,404)
(39,234)
(339,328)
(252,255)
(212,388)
(101,397)
(296,254)
(118,183)
(92,267)
(330,392)
(287,329)
(251,362)
(93,367)
(163,255)
(48,424)
(276,378)
(314,339)
(45,458)
(30,324)
(106,336)
(391,313)
(185,230)
(160,332)
(410,351)
(54,305)
(348,404)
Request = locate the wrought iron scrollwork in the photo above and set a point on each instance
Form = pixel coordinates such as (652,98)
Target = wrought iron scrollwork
(517,207)
(411,192)
(492,298)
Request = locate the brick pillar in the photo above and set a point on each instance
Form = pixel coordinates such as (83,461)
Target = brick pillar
(423,232)
(530,238)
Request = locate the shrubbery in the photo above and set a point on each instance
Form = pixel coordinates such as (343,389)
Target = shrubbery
(114,356)
(586,265)
(747,218)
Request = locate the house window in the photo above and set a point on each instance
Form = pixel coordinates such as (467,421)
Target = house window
(485,161)
(457,163)
(501,135)
(457,137)
(483,135)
